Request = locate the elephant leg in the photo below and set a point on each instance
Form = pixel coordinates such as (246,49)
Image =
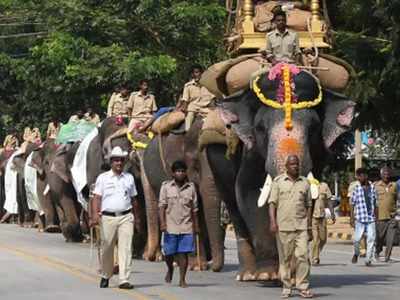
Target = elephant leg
(211,201)
(224,172)
(48,207)
(71,225)
(257,219)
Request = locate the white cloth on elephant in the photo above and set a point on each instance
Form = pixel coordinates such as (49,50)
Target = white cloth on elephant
(79,165)
(30,175)
(10,185)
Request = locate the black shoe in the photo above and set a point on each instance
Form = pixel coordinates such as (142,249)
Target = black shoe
(126,286)
(368,263)
(104,283)
(354,259)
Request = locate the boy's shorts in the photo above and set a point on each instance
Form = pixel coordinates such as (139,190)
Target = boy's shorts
(178,243)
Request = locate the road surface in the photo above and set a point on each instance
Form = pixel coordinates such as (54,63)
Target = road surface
(42,266)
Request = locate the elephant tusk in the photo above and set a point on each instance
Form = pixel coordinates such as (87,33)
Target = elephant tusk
(265,191)
(46,190)
(314,183)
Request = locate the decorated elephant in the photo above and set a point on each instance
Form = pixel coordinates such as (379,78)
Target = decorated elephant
(284,113)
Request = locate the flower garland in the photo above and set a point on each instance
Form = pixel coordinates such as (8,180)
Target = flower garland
(289,96)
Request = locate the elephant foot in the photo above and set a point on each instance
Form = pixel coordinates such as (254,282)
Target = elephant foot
(267,276)
(246,276)
(36,225)
(52,229)
(195,265)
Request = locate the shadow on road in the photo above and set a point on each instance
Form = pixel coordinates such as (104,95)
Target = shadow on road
(342,280)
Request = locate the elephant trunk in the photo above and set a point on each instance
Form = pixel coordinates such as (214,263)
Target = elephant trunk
(153,228)
(286,142)
(211,202)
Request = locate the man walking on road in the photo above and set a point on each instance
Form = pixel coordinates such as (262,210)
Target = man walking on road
(319,227)
(114,206)
(385,225)
(178,220)
(363,205)
(290,217)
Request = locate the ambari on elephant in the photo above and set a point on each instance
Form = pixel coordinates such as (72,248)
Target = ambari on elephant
(284,113)
(158,157)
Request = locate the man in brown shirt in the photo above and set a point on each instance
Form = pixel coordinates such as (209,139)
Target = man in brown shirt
(290,218)
(118,104)
(178,220)
(319,227)
(196,99)
(141,107)
(386,192)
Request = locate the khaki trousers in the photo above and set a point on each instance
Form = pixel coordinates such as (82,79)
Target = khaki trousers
(189,120)
(294,244)
(319,236)
(111,229)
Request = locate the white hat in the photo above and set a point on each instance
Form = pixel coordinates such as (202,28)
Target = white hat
(117,152)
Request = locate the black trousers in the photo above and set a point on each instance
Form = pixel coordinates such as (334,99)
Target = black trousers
(386,231)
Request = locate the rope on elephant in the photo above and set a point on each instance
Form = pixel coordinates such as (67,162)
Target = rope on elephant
(162,156)
(140,141)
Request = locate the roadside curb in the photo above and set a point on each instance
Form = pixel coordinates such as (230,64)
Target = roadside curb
(340,236)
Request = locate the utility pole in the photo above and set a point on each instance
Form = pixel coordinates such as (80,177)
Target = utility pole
(357,152)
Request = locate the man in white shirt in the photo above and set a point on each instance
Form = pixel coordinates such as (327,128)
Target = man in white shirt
(114,206)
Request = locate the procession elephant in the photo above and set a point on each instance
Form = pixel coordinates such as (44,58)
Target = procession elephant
(4,156)
(157,160)
(26,215)
(268,137)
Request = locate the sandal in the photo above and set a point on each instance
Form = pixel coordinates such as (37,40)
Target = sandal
(306,293)
(286,294)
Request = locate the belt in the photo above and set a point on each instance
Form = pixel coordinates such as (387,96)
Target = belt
(115,214)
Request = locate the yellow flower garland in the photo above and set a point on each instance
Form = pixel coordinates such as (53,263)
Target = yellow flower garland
(287,106)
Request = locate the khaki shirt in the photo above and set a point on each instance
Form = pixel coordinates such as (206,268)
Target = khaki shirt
(291,199)
(95,119)
(142,106)
(117,106)
(179,203)
(387,194)
(53,130)
(199,99)
(283,47)
(322,201)
(10,142)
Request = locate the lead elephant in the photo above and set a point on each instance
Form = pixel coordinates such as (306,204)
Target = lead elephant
(267,139)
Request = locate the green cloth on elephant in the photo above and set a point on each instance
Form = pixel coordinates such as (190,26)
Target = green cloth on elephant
(74,131)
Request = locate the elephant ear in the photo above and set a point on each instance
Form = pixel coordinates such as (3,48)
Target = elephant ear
(338,116)
(59,167)
(237,112)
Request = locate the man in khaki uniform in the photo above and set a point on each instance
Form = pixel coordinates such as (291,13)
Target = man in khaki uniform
(282,43)
(53,129)
(387,192)
(141,107)
(196,99)
(319,227)
(118,104)
(91,116)
(290,217)
(178,208)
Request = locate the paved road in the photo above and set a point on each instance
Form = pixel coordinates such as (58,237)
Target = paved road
(42,266)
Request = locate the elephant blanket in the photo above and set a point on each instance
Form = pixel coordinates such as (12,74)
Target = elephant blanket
(10,185)
(79,166)
(31,185)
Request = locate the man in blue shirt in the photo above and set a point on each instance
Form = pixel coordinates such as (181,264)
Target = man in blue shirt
(364,205)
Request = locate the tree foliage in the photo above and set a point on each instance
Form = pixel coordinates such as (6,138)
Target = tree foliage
(92,46)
